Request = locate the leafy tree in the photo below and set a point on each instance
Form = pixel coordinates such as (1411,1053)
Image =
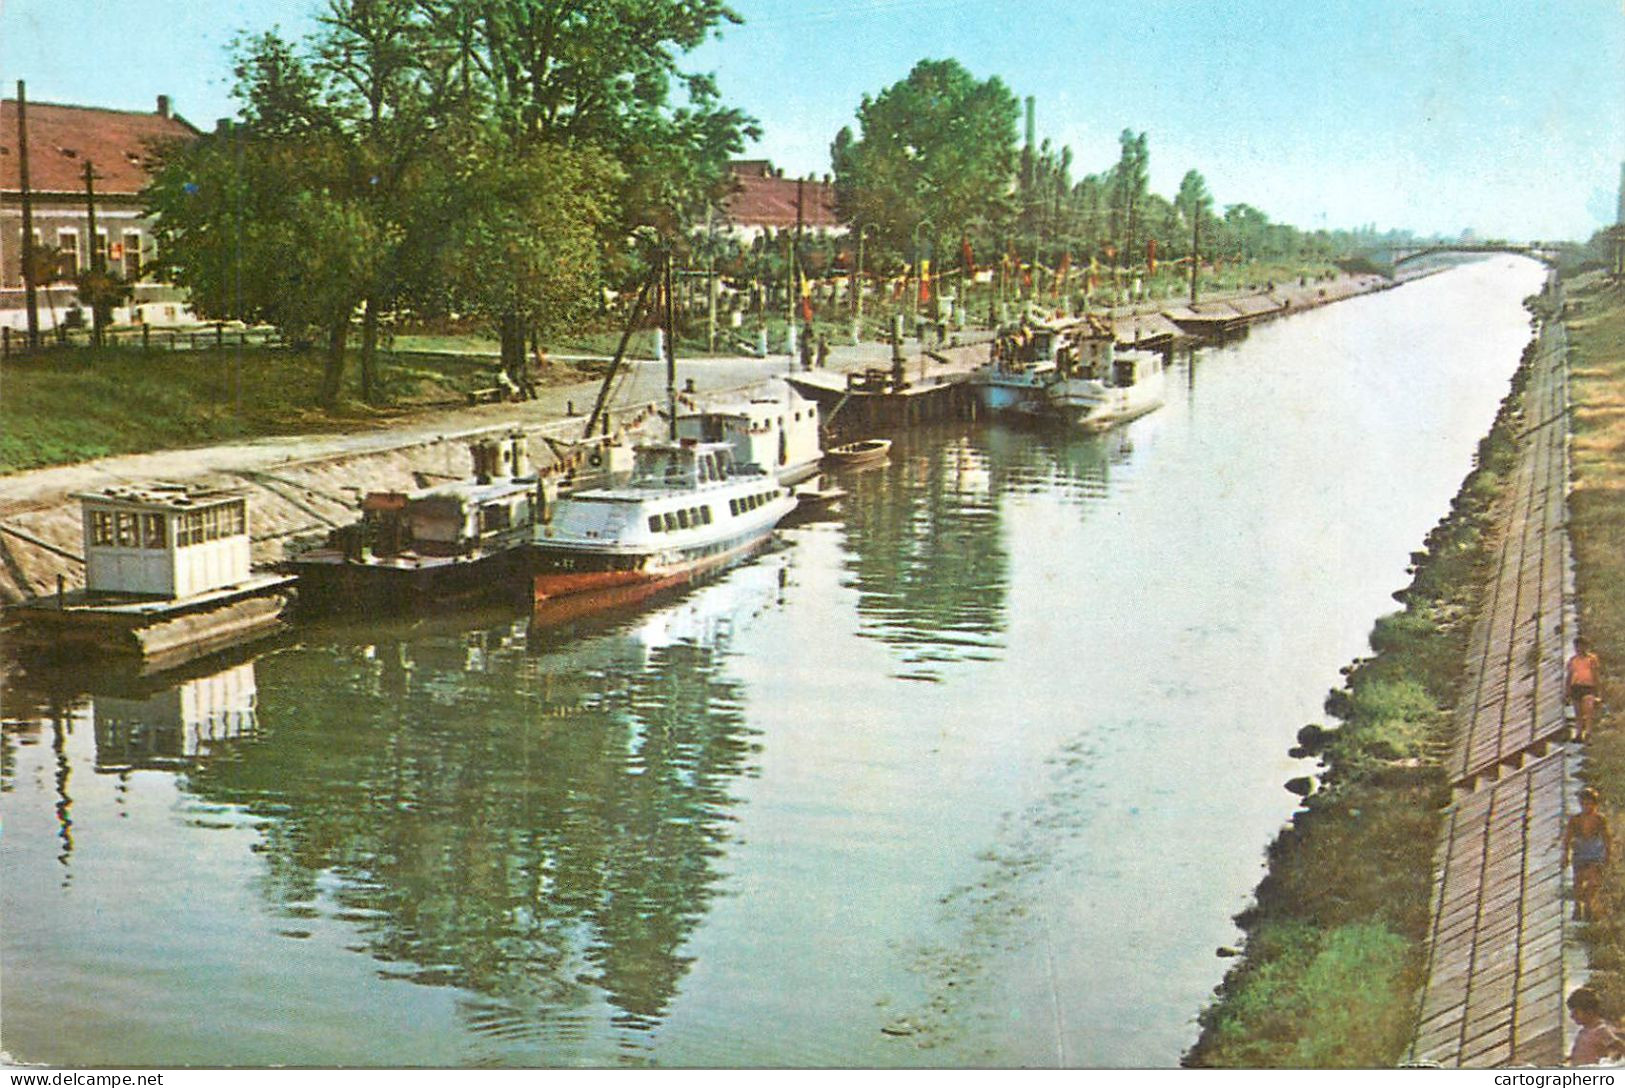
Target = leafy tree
(1129,183)
(257,229)
(940,145)
(598,77)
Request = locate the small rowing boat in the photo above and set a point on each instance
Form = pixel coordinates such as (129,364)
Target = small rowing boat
(868,451)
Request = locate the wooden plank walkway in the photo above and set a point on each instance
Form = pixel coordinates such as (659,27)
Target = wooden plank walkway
(1497,971)
(1496,979)
(1514,700)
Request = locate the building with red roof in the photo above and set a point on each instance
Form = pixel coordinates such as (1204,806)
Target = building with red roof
(763,199)
(119,146)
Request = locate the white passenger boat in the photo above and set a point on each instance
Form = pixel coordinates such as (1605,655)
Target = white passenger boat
(689,508)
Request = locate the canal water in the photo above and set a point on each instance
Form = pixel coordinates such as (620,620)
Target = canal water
(975,774)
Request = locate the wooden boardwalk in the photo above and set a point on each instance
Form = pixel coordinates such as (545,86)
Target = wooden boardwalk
(1497,972)
(1513,703)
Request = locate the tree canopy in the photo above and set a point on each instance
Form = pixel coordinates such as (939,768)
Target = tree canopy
(939,146)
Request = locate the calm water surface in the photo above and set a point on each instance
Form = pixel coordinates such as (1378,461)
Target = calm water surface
(976,774)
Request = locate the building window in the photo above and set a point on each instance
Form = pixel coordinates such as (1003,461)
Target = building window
(132,256)
(67,241)
(152,531)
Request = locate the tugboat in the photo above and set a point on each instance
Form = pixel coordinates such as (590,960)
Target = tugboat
(167,579)
(688,509)
(455,542)
(1100,387)
(1022,365)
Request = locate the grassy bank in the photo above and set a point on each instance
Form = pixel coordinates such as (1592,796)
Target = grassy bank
(1335,949)
(79,403)
(1596,322)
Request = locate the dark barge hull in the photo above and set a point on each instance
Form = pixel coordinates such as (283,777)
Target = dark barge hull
(330,586)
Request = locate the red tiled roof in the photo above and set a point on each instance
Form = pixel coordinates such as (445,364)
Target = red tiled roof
(61,139)
(760,199)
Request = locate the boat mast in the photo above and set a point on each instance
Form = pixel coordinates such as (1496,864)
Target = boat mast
(671,350)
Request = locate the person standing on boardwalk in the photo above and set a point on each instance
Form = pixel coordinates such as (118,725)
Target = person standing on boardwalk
(1581,684)
(1596,1038)
(1586,844)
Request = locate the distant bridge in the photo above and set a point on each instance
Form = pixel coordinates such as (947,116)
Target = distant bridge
(1402,254)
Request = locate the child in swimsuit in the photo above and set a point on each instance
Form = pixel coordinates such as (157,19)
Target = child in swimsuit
(1586,844)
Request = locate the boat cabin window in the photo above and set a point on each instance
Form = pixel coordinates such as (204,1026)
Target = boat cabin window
(671,521)
(655,523)
(494,518)
(705,515)
(682,519)
(153,534)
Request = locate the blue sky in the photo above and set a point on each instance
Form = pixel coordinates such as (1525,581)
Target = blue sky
(1437,115)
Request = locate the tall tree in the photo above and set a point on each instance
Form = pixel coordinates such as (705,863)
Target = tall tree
(600,75)
(940,145)
(1130,180)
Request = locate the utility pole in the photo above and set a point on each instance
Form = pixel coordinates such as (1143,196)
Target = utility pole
(710,284)
(97,263)
(1196,239)
(857,290)
(671,349)
(30,290)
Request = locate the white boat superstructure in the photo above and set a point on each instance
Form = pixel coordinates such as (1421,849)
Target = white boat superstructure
(776,429)
(1100,387)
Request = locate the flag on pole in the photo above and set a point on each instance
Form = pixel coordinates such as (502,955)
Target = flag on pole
(806,299)
(1151,255)
(967,260)
(925,280)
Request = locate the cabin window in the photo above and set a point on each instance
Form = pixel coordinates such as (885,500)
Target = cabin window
(655,524)
(124,526)
(705,515)
(190,530)
(683,520)
(494,518)
(671,521)
(152,531)
(733,507)
(101,528)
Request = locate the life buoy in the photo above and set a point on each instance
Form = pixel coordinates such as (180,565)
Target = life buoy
(596,459)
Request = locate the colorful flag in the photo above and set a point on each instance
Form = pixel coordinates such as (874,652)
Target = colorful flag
(967,260)
(1151,255)
(925,281)
(806,299)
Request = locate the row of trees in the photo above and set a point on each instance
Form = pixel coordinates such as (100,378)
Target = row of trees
(936,159)
(503,159)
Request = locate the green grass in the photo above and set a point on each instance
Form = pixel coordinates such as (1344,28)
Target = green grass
(1597,531)
(74,404)
(1336,933)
